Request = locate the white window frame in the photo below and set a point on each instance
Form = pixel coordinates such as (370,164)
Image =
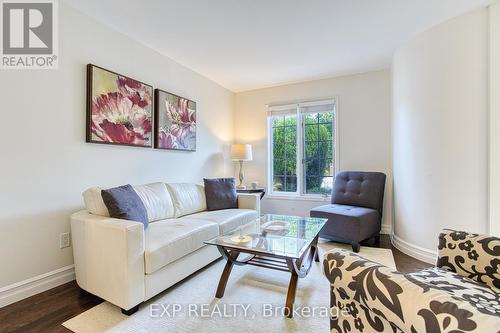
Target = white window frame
(300,158)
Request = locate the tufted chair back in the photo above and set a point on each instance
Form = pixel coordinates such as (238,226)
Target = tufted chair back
(359,188)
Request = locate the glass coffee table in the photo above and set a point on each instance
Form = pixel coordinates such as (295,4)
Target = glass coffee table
(279,242)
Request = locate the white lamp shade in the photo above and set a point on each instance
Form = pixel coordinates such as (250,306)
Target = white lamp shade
(241,152)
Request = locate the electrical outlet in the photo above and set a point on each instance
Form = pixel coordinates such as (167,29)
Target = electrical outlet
(64,240)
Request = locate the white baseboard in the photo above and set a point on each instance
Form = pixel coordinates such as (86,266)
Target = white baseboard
(35,285)
(414,251)
(386,229)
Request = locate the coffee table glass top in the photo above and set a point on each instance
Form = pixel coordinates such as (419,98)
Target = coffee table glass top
(277,235)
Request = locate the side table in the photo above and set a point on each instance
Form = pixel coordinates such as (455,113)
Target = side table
(260,190)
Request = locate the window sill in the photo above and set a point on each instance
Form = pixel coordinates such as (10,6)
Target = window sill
(274,196)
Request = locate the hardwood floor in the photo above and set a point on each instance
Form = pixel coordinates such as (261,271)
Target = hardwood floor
(46,311)
(404,263)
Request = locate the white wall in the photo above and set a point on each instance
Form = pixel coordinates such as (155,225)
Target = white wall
(494,120)
(45,162)
(440,132)
(364,129)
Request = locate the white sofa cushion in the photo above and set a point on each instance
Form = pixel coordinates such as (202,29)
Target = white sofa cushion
(171,239)
(94,203)
(155,197)
(227,219)
(157,201)
(188,198)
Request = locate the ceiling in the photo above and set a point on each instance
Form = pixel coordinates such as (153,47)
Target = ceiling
(249,44)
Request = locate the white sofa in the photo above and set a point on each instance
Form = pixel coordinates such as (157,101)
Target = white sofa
(124,264)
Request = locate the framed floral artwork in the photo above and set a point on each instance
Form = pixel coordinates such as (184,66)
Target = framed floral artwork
(175,122)
(119,109)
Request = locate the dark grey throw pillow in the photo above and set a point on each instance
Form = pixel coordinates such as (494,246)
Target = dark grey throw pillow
(221,193)
(123,202)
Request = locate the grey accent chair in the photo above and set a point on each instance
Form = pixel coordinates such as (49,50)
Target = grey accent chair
(355,212)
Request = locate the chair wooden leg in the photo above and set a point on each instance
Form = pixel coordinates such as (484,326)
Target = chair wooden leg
(356,247)
(377,240)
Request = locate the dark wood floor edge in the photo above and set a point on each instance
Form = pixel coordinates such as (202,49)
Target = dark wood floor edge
(416,252)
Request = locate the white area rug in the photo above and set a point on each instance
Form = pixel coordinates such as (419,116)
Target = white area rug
(253,302)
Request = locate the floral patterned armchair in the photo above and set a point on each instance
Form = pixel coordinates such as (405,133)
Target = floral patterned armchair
(461,294)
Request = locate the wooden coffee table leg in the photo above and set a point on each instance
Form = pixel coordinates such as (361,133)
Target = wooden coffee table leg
(290,297)
(223,279)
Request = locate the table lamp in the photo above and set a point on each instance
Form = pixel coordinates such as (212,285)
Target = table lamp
(241,152)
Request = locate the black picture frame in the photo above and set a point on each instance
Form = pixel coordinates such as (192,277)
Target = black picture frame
(89,102)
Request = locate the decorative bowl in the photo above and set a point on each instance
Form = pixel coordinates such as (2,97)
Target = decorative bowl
(275,226)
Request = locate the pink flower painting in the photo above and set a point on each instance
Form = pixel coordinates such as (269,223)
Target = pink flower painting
(120,109)
(175,119)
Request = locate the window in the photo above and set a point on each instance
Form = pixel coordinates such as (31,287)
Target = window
(302,148)
(285,153)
